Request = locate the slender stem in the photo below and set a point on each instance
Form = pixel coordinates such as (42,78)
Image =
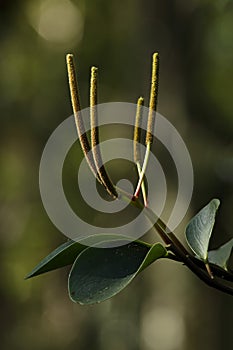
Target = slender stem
(143,185)
(74,93)
(209,270)
(180,252)
(106,181)
(142,174)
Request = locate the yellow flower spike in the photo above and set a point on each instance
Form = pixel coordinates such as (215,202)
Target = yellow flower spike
(137,136)
(106,181)
(75,101)
(151,118)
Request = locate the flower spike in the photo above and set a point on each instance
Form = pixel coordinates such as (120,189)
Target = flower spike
(137,136)
(102,173)
(151,118)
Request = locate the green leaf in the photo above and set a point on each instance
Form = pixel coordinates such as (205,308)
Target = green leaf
(66,253)
(98,274)
(221,255)
(199,229)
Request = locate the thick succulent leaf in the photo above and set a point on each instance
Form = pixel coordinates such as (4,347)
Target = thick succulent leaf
(199,229)
(221,255)
(98,274)
(66,253)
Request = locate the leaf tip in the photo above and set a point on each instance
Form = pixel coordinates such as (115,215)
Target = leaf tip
(29,275)
(215,202)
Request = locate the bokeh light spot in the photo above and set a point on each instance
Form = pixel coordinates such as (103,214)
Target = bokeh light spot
(57,21)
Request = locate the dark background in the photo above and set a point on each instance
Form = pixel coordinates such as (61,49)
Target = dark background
(166,308)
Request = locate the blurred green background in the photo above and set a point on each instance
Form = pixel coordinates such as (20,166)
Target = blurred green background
(165,308)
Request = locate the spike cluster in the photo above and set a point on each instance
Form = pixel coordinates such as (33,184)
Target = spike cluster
(92,152)
(151,120)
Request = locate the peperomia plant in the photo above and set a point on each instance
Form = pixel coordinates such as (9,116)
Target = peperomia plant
(99,273)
